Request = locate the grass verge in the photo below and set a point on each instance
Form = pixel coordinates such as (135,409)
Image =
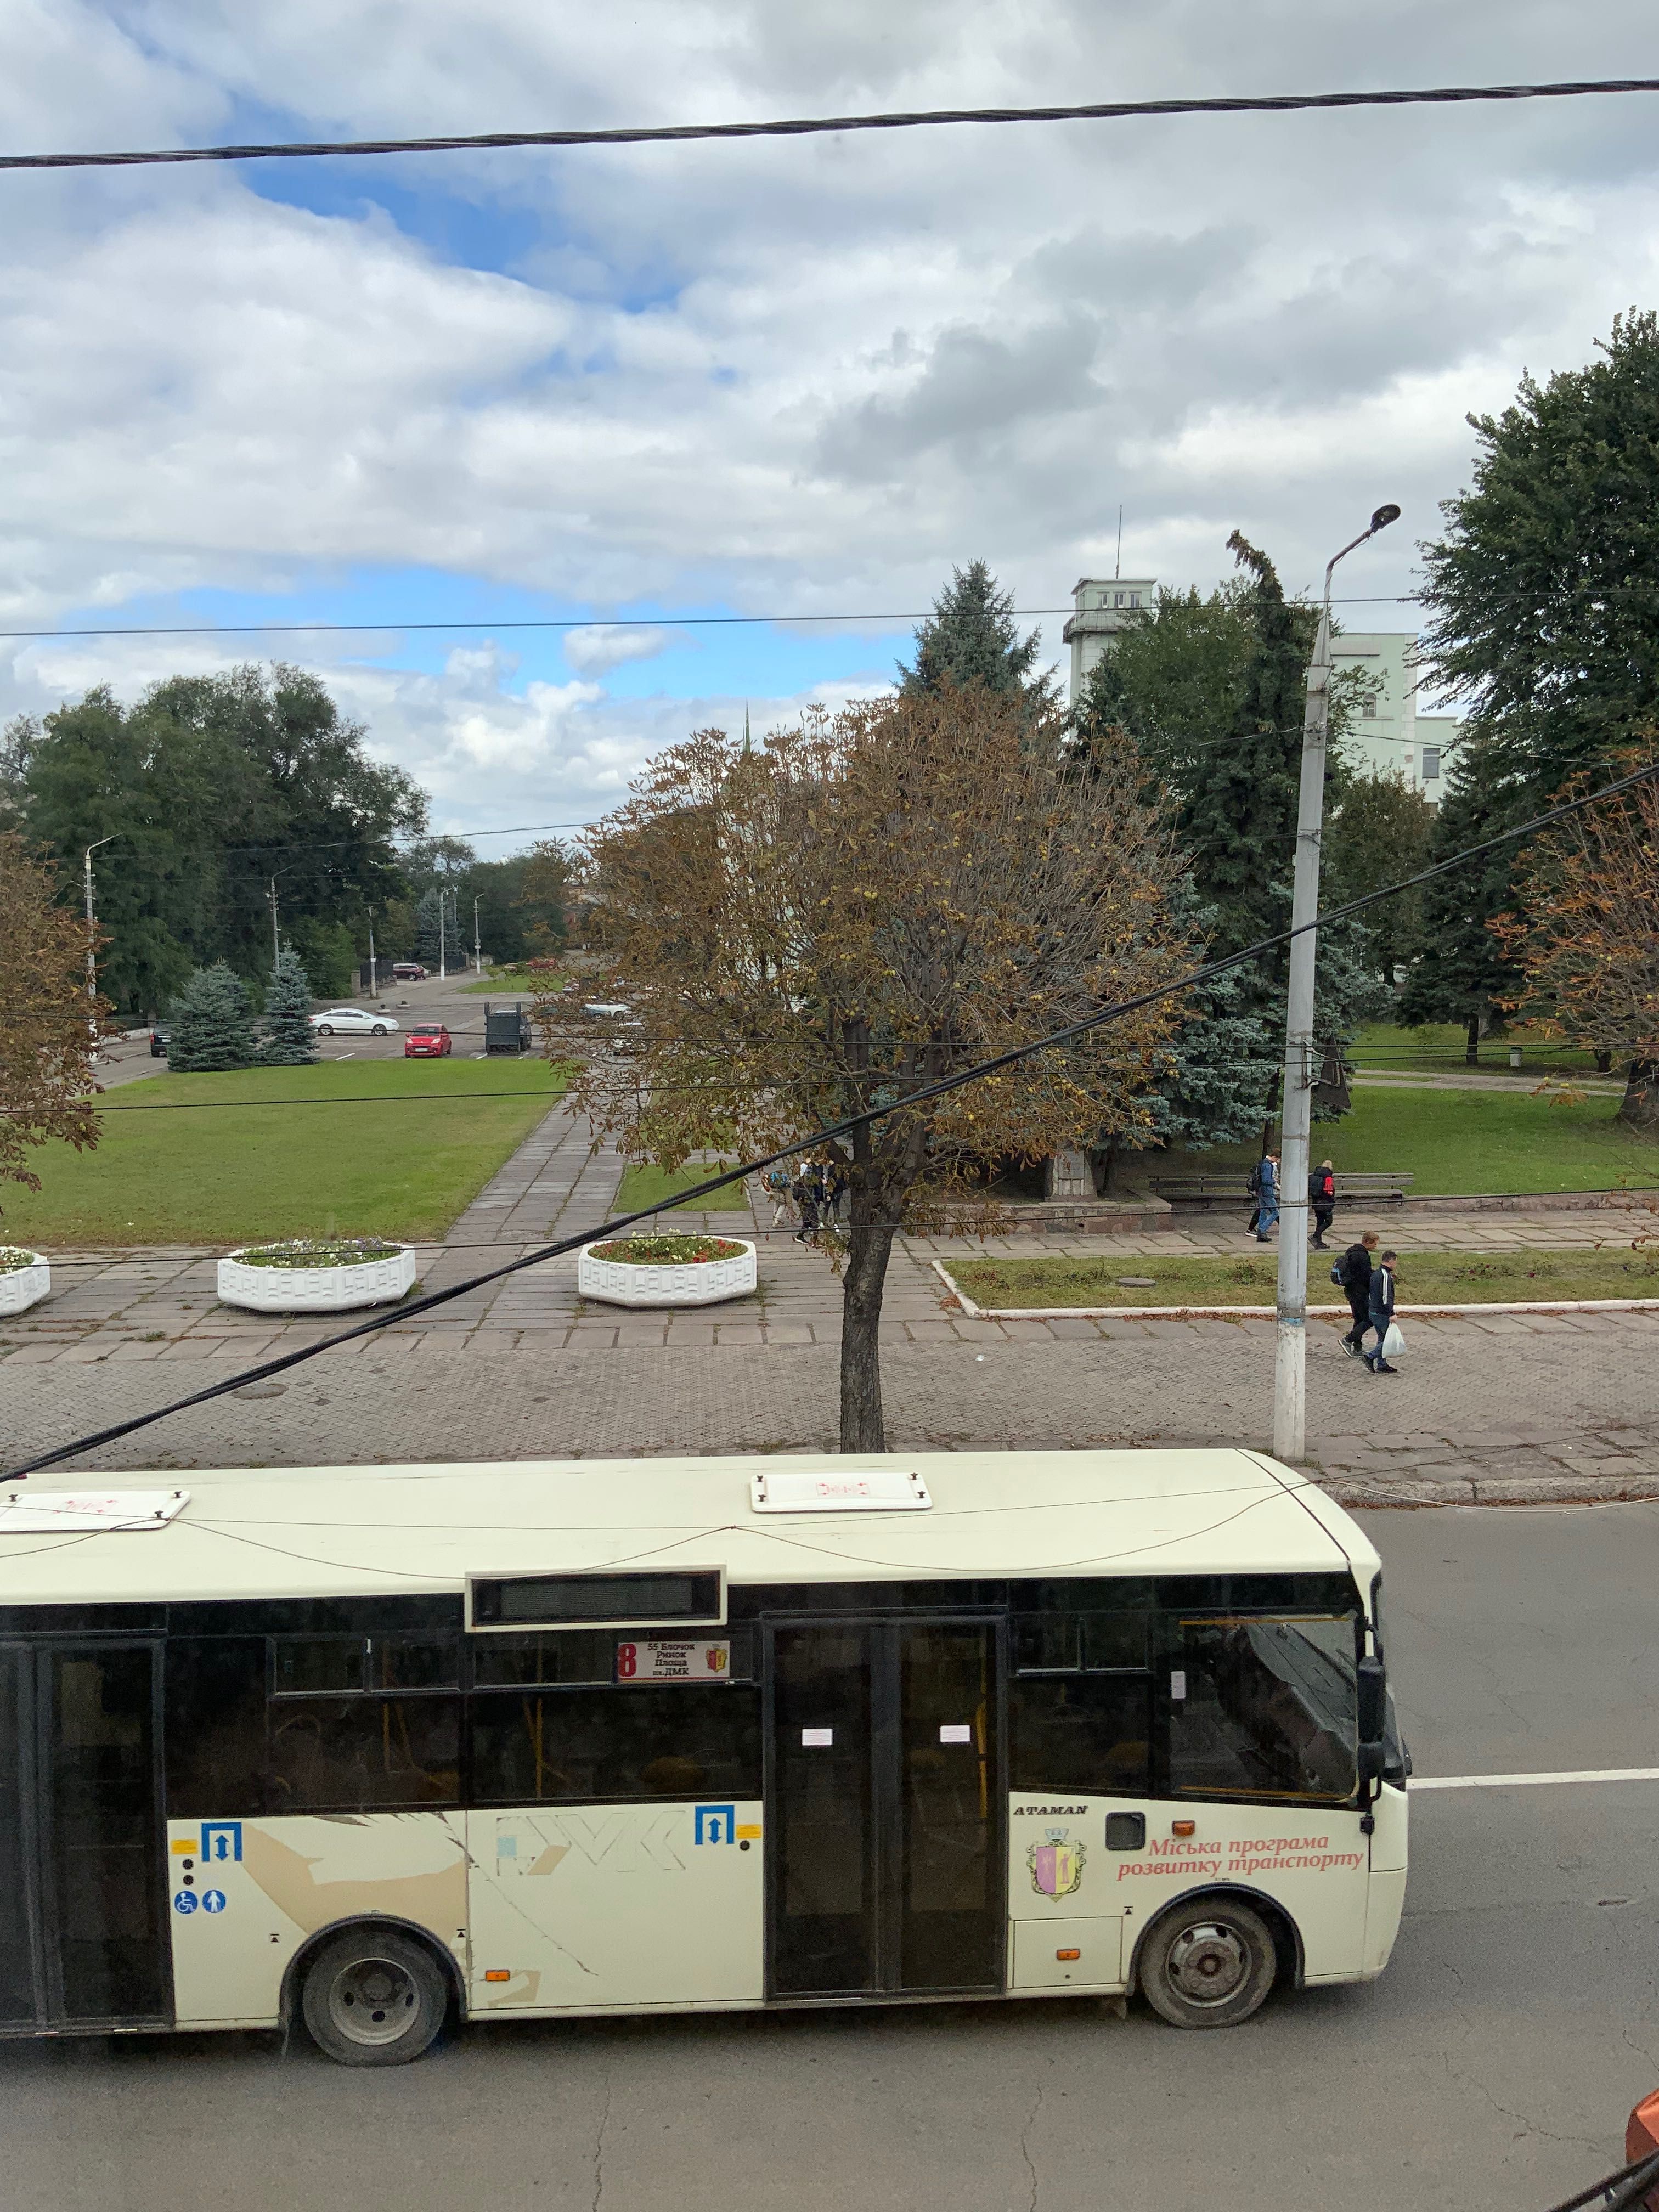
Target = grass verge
(1440,1049)
(338,1150)
(1425,1279)
(512,983)
(1494,1141)
(652,1185)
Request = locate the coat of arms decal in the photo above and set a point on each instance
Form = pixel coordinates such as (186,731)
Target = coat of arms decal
(1056,1868)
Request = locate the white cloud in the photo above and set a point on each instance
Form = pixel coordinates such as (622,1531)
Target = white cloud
(805,376)
(603,645)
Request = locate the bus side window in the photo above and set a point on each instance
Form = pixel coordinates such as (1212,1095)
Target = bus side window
(364,1755)
(1079,1733)
(216,1727)
(674,1740)
(1265,1709)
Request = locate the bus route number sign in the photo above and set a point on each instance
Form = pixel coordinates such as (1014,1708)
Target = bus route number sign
(674,1659)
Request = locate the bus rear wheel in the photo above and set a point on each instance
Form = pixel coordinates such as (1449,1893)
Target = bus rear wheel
(373,1997)
(1208,1965)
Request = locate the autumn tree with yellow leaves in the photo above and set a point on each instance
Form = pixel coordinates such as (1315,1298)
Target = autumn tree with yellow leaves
(46,1037)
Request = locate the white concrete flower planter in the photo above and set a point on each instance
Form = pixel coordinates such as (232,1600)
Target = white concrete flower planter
(669,1283)
(23,1287)
(316,1289)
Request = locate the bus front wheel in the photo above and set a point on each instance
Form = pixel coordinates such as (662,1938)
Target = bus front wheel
(1208,1965)
(373,1997)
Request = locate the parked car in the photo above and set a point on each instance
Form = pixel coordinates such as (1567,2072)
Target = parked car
(1642,2144)
(408,971)
(352,1021)
(427,1041)
(159,1042)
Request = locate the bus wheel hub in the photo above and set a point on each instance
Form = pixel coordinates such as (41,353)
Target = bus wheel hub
(1208,1964)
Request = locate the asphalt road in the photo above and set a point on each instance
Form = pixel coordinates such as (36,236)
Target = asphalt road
(1491,2068)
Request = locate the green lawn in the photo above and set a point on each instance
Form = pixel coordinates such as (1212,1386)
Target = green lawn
(1441,1048)
(652,1185)
(1425,1279)
(511,983)
(1462,1140)
(398,1149)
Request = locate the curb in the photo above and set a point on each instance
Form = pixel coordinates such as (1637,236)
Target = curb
(1271,1313)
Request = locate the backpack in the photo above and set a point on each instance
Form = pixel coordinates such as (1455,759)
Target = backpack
(1256,1181)
(1337,1276)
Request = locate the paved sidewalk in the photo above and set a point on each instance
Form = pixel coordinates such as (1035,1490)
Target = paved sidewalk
(1482,1412)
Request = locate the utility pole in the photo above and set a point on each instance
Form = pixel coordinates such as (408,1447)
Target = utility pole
(1291,1351)
(374,972)
(442,895)
(92,958)
(477,949)
(275,941)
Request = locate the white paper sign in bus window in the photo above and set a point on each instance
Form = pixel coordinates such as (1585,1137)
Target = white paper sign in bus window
(674,1659)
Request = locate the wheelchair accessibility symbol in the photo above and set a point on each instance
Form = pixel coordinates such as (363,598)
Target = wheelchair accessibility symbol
(185,1901)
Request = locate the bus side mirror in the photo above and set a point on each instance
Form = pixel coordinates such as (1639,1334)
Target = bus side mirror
(1373,1686)
(1373,1757)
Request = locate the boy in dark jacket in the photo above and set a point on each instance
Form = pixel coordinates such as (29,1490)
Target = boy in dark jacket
(1382,1312)
(1322,1196)
(1356,1280)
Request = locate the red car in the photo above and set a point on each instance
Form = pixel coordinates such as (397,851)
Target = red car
(427,1041)
(1641,2143)
(408,971)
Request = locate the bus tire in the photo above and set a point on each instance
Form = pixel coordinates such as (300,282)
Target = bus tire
(374,1996)
(1207,1964)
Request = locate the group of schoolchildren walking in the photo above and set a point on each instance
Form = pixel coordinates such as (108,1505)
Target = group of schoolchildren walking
(1365,1276)
(816,1195)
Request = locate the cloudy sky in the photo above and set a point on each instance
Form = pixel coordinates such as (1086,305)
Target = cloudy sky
(781,379)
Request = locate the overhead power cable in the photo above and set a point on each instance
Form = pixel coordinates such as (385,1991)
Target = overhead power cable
(597,621)
(924,1096)
(819,126)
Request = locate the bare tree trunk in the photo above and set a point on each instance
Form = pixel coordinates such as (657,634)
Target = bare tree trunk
(1604,1063)
(1640,1109)
(870,1245)
(1472,1043)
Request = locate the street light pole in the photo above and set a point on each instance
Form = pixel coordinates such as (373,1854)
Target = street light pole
(373,971)
(442,899)
(275,941)
(92,958)
(477,949)
(1291,1351)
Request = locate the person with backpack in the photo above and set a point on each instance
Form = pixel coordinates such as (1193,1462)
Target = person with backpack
(808,1191)
(1382,1313)
(1322,1196)
(1352,1272)
(1266,1196)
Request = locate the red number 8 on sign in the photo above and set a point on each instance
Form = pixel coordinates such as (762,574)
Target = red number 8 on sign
(627,1661)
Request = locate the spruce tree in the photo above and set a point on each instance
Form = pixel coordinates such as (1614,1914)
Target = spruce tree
(971,637)
(289,1040)
(212,1024)
(429,926)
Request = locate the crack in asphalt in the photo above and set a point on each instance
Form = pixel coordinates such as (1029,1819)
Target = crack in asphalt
(598,2148)
(1473,2080)
(1025,2149)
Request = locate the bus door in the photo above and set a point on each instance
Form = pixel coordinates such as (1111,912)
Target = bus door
(83,1939)
(885,1808)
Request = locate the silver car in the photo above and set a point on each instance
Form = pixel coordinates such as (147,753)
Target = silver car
(352,1021)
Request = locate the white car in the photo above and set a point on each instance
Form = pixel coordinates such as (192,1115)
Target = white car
(352,1021)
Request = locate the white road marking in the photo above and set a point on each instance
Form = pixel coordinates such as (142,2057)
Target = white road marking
(1531,1781)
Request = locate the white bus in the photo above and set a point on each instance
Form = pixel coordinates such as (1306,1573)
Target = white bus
(374,1747)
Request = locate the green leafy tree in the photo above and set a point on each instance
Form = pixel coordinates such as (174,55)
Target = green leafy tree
(210,786)
(1379,832)
(288,1040)
(971,637)
(329,950)
(1463,973)
(1543,619)
(212,1024)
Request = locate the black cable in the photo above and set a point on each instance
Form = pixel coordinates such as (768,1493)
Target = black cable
(941,1089)
(1617,2192)
(597,621)
(1283,103)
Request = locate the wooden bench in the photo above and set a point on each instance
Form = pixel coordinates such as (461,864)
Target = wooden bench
(1375,1187)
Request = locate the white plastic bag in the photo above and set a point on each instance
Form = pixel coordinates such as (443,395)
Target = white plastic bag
(1394,1343)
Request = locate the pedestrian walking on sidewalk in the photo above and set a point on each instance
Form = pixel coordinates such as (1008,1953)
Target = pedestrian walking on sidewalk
(1266,1201)
(807,1190)
(1382,1314)
(777,1190)
(1353,1273)
(1322,1196)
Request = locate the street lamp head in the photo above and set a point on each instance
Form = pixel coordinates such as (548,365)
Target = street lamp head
(1384,516)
